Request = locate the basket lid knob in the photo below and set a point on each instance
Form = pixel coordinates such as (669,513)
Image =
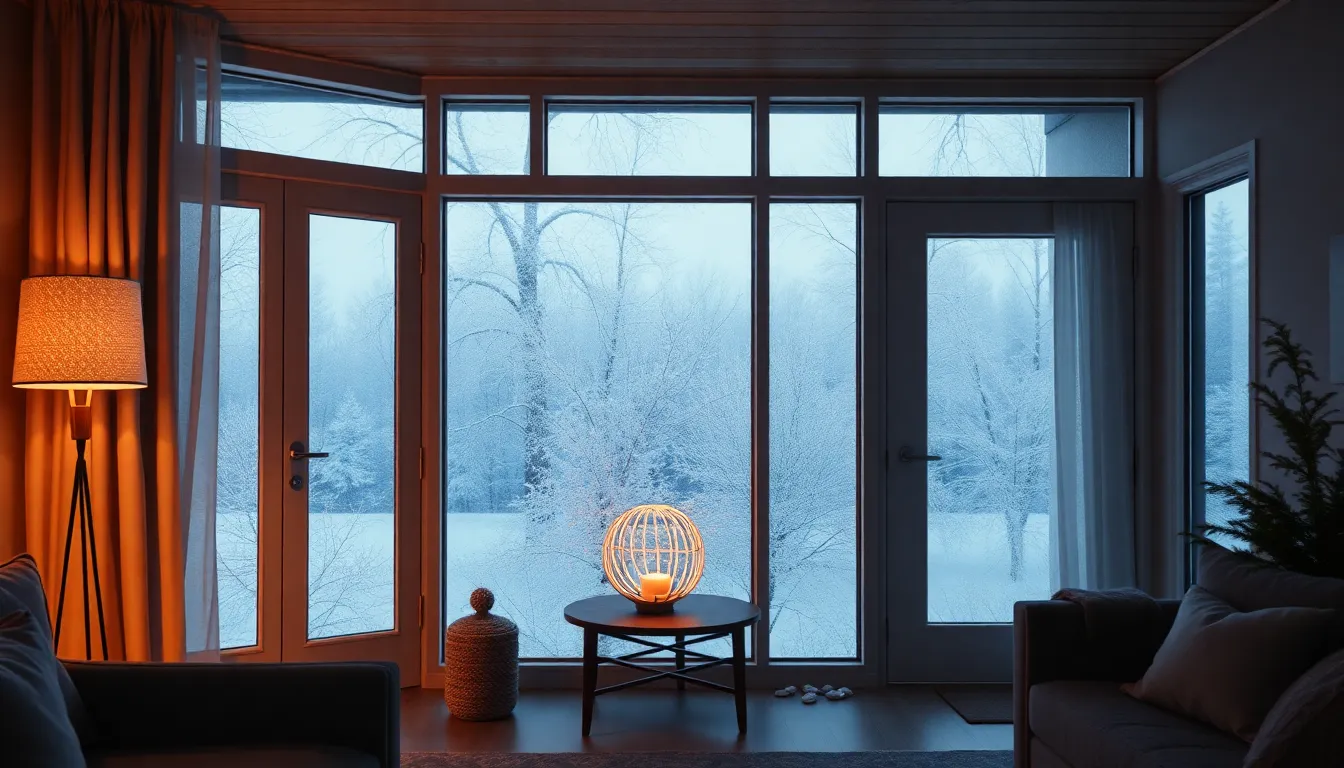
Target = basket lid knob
(482,600)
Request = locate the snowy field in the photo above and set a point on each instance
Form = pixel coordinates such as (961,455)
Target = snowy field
(968,580)
(968,568)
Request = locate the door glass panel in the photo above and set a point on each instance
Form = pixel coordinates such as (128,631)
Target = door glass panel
(991,418)
(598,356)
(351,404)
(236,518)
(1227,345)
(813,411)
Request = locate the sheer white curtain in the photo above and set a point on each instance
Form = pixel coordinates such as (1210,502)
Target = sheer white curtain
(1092,531)
(197,178)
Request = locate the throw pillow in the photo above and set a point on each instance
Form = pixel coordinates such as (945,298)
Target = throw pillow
(1228,668)
(21,590)
(35,729)
(1306,725)
(1250,584)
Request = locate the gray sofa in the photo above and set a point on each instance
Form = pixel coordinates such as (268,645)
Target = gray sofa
(1069,711)
(255,715)
(139,715)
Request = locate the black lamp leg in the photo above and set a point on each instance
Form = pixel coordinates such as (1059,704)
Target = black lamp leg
(81,505)
(65,564)
(83,468)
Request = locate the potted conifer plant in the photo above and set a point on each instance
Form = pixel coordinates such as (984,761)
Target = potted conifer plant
(1297,523)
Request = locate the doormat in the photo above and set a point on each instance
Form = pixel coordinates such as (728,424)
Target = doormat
(980,704)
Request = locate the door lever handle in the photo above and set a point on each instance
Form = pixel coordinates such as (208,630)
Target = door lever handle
(297,452)
(907,457)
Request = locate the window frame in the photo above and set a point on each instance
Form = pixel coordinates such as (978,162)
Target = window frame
(872,193)
(1189,187)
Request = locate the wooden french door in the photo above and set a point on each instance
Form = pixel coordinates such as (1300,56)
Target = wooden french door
(970,404)
(337,566)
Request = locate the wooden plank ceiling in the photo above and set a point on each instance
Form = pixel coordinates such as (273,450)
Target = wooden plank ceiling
(906,38)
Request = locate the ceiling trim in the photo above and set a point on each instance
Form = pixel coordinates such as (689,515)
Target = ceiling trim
(1251,22)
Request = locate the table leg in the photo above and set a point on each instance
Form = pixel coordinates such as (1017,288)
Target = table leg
(589,677)
(681,660)
(740,677)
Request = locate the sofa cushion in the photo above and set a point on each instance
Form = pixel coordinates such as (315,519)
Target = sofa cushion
(1226,667)
(21,590)
(1092,724)
(1251,584)
(35,731)
(261,757)
(1306,725)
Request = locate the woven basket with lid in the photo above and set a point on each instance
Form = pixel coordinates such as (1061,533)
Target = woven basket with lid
(480,663)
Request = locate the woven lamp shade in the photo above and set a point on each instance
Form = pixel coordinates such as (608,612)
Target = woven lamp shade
(79,333)
(653,539)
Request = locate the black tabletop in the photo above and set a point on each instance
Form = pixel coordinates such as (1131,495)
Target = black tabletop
(691,615)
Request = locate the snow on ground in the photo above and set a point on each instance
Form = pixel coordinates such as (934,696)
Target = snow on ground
(968,580)
(968,568)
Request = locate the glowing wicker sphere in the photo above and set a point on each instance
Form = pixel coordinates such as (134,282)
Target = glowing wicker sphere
(653,555)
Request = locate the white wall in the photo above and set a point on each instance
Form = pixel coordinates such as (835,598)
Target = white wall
(1281,83)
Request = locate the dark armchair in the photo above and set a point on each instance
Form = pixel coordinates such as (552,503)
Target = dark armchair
(257,715)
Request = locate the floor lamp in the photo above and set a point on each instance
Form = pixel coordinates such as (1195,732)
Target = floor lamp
(80,334)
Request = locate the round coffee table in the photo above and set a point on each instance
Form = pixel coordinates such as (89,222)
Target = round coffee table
(702,617)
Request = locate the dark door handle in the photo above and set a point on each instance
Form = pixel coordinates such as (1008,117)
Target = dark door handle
(907,457)
(297,452)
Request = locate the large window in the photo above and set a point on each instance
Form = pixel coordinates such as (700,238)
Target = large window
(648,139)
(813,430)
(662,309)
(597,356)
(1004,141)
(485,138)
(286,119)
(1219,227)
(814,139)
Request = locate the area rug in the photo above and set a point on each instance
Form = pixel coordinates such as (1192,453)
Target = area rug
(964,759)
(980,704)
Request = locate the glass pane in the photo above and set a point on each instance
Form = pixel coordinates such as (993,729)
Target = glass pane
(649,140)
(992,418)
(351,512)
(813,139)
(813,429)
(597,357)
(1063,141)
(1227,336)
(485,139)
(236,516)
(286,119)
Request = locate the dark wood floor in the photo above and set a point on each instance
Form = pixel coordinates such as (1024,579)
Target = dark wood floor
(898,718)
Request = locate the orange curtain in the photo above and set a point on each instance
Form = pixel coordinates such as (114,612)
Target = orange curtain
(116,86)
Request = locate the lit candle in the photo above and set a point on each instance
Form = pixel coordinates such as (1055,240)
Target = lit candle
(654,586)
